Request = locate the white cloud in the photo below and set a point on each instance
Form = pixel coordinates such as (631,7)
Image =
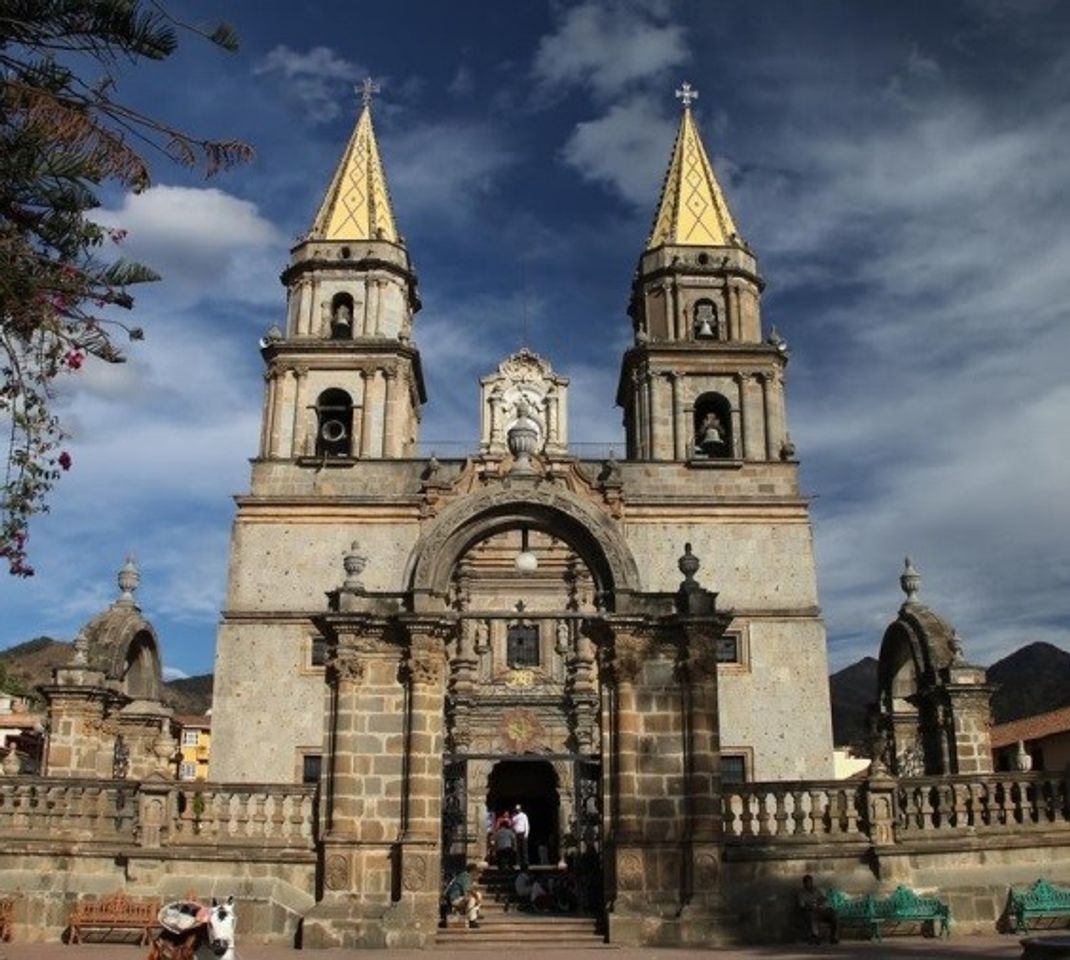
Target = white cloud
(173,673)
(608,47)
(443,169)
(205,243)
(626,149)
(318,81)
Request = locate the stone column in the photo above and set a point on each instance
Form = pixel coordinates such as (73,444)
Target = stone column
(678,451)
(751,448)
(300,413)
(274,412)
(698,672)
(377,306)
(739,419)
(367,413)
(269,405)
(767,412)
(390,418)
(623,665)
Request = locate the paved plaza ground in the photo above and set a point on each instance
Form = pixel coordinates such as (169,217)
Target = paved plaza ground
(900,948)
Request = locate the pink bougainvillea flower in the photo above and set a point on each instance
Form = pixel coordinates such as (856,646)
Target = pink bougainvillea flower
(64,460)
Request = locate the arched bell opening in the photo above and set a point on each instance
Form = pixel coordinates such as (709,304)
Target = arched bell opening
(713,427)
(342,317)
(334,424)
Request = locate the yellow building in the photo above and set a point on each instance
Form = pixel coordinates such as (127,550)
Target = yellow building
(195,741)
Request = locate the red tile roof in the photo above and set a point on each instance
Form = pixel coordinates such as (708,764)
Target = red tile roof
(1031,728)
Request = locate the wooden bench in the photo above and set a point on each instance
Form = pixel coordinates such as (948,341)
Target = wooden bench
(903,906)
(1041,901)
(117,912)
(7,918)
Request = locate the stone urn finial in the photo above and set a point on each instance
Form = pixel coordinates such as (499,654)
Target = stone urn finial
(688,564)
(129,578)
(81,650)
(354,563)
(164,746)
(523,437)
(958,652)
(12,765)
(910,581)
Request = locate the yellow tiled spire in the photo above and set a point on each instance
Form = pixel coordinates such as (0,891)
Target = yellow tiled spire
(693,210)
(357,203)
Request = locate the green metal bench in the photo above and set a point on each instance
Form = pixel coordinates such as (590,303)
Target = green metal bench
(903,906)
(1042,901)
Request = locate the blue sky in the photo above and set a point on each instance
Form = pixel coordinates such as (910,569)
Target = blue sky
(900,169)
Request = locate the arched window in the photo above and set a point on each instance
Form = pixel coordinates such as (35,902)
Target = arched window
(342,317)
(334,424)
(713,427)
(704,324)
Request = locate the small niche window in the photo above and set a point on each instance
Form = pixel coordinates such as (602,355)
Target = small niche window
(705,322)
(733,769)
(318,653)
(334,424)
(713,427)
(342,317)
(522,645)
(311,768)
(728,648)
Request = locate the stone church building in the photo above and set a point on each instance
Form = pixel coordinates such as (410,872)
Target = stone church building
(601,641)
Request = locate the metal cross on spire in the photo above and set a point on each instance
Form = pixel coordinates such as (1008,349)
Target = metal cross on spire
(686,94)
(367,89)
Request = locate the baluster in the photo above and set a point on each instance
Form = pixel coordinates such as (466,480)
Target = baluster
(780,818)
(820,812)
(799,812)
(1006,816)
(747,826)
(766,819)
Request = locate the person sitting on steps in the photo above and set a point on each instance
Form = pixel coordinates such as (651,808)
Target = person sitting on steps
(461,896)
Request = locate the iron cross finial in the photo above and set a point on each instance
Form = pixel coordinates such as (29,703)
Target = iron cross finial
(686,94)
(368,88)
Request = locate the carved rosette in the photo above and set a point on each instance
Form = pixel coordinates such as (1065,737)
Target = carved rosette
(630,871)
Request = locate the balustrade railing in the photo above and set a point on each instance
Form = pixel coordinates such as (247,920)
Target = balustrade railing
(268,815)
(157,815)
(47,808)
(981,803)
(814,810)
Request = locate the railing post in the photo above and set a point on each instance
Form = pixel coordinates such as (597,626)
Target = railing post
(155,809)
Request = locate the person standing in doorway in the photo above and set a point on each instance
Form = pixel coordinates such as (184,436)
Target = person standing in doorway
(522,829)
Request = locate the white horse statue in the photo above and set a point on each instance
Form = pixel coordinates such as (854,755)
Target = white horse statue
(192,931)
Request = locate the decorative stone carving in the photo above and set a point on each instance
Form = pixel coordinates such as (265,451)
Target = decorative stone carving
(81,650)
(707,870)
(628,655)
(524,391)
(354,563)
(523,436)
(336,872)
(521,731)
(630,871)
(164,748)
(11,765)
(910,581)
(129,578)
(344,665)
(414,872)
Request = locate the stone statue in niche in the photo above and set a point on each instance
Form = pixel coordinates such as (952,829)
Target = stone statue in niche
(710,438)
(705,324)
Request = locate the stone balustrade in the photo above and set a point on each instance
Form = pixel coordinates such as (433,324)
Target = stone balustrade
(818,811)
(40,808)
(988,803)
(882,811)
(160,814)
(244,815)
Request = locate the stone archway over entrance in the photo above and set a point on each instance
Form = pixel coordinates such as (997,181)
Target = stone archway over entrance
(533,785)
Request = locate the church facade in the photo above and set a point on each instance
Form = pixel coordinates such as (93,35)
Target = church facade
(606,642)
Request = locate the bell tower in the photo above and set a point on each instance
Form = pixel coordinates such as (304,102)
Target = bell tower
(344,380)
(700,384)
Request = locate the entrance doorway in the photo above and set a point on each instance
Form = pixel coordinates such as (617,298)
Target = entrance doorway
(533,785)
